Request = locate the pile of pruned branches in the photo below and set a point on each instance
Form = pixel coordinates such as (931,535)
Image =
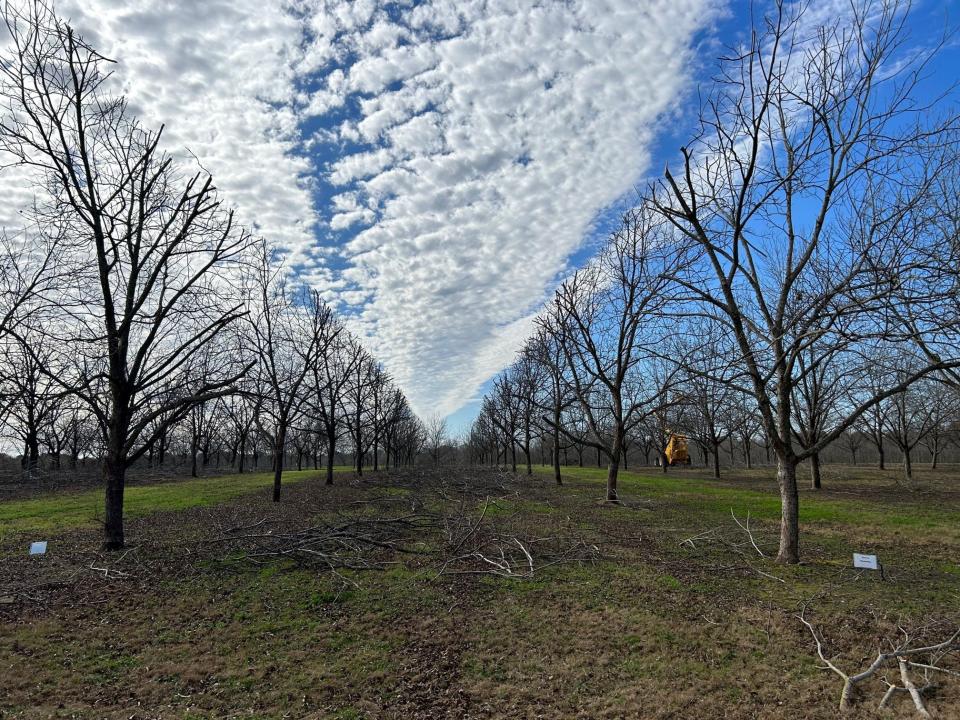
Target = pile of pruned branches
(459,539)
(474,547)
(355,543)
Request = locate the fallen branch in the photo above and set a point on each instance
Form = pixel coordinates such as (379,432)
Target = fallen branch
(746,529)
(900,654)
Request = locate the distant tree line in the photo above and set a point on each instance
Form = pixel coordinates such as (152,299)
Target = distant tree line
(792,283)
(137,315)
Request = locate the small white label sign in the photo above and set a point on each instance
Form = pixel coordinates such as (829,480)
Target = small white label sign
(865,561)
(38,548)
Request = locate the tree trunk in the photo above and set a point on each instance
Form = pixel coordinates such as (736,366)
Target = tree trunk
(526,450)
(278,460)
(193,457)
(331,449)
(114,475)
(716,461)
(883,458)
(789,552)
(612,470)
(907,465)
(815,471)
(358,453)
(31,455)
(556,448)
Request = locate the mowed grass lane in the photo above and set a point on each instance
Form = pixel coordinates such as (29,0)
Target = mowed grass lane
(65,511)
(909,511)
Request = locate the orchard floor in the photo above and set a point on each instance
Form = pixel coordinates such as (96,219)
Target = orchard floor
(410,594)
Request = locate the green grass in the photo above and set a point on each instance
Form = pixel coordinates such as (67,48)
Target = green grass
(58,512)
(711,496)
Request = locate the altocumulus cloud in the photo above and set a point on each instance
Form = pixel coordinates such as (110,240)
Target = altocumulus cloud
(473,144)
(431,164)
(219,74)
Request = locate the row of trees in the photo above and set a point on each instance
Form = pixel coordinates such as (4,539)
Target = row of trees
(44,418)
(796,276)
(722,427)
(134,303)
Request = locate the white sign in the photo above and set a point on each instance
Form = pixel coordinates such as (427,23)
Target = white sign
(865,561)
(38,548)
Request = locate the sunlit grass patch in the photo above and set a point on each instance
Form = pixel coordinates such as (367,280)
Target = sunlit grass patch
(64,511)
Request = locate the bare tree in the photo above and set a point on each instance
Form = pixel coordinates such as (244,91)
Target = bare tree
(706,390)
(502,406)
(605,317)
(31,397)
(331,374)
(799,200)
(528,377)
(873,423)
(240,412)
(357,405)
(436,437)
(944,404)
(545,350)
(144,238)
(746,422)
(817,395)
(853,440)
(914,414)
(396,416)
(288,329)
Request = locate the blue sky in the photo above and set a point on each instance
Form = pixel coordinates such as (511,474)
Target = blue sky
(928,22)
(433,166)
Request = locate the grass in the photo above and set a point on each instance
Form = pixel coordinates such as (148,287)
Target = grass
(707,495)
(59,512)
(651,628)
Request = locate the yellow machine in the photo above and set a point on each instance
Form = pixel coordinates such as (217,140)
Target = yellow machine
(676,451)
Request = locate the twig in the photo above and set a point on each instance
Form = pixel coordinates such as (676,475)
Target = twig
(746,529)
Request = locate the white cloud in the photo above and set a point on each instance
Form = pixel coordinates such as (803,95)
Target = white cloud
(492,136)
(473,142)
(219,74)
